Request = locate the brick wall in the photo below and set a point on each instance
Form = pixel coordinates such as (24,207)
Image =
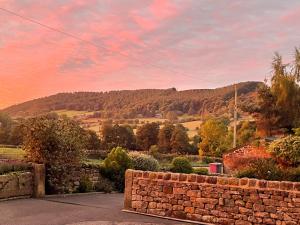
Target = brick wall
(213,200)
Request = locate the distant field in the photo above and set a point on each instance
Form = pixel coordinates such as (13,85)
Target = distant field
(72,113)
(150,120)
(11,153)
(93,123)
(192,126)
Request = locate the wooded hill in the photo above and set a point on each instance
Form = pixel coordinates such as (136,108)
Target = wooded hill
(141,103)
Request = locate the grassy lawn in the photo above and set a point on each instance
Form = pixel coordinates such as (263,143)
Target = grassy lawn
(11,153)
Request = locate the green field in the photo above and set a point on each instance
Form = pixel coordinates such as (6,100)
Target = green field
(72,113)
(11,153)
(192,126)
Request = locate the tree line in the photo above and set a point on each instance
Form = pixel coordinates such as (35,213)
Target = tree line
(169,138)
(132,104)
(278,106)
(213,139)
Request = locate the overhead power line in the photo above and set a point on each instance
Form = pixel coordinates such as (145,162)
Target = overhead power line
(91,43)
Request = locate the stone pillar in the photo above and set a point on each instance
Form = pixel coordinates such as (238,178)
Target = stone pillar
(38,180)
(128,189)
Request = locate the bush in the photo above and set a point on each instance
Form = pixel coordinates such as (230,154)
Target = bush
(265,169)
(144,162)
(286,150)
(105,185)
(294,174)
(85,185)
(181,165)
(200,171)
(247,172)
(58,142)
(115,165)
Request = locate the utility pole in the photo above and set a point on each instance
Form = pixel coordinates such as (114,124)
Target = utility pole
(235,117)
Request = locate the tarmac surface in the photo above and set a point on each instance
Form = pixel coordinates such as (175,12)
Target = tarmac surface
(89,209)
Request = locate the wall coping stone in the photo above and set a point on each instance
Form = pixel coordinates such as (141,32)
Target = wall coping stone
(216,180)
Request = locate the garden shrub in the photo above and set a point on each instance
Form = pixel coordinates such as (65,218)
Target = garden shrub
(286,150)
(143,162)
(115,165)
(85,184)
(265,169)
(200,171)
(181,165)
(294,174)
(246,172)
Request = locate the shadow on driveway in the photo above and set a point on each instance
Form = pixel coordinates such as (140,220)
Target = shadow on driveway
(92,209)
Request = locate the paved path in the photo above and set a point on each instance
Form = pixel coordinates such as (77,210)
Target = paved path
(95,209)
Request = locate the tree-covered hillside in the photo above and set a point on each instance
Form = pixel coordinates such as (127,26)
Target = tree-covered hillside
(137,103)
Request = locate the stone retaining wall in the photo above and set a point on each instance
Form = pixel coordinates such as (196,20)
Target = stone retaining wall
(213,200)
(89,171)
(23,184)
(16,185)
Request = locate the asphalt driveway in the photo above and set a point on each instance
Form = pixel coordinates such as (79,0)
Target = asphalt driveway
(92,209)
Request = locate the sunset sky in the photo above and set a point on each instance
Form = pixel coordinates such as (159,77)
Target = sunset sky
(134,44)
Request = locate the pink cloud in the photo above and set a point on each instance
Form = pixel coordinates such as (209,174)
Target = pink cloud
(138,44)
(291,17)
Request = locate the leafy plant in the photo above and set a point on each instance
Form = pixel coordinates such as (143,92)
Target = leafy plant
(294,174)
(262,169)
(286,150)
(144,162)
(181,165)
(115,165)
